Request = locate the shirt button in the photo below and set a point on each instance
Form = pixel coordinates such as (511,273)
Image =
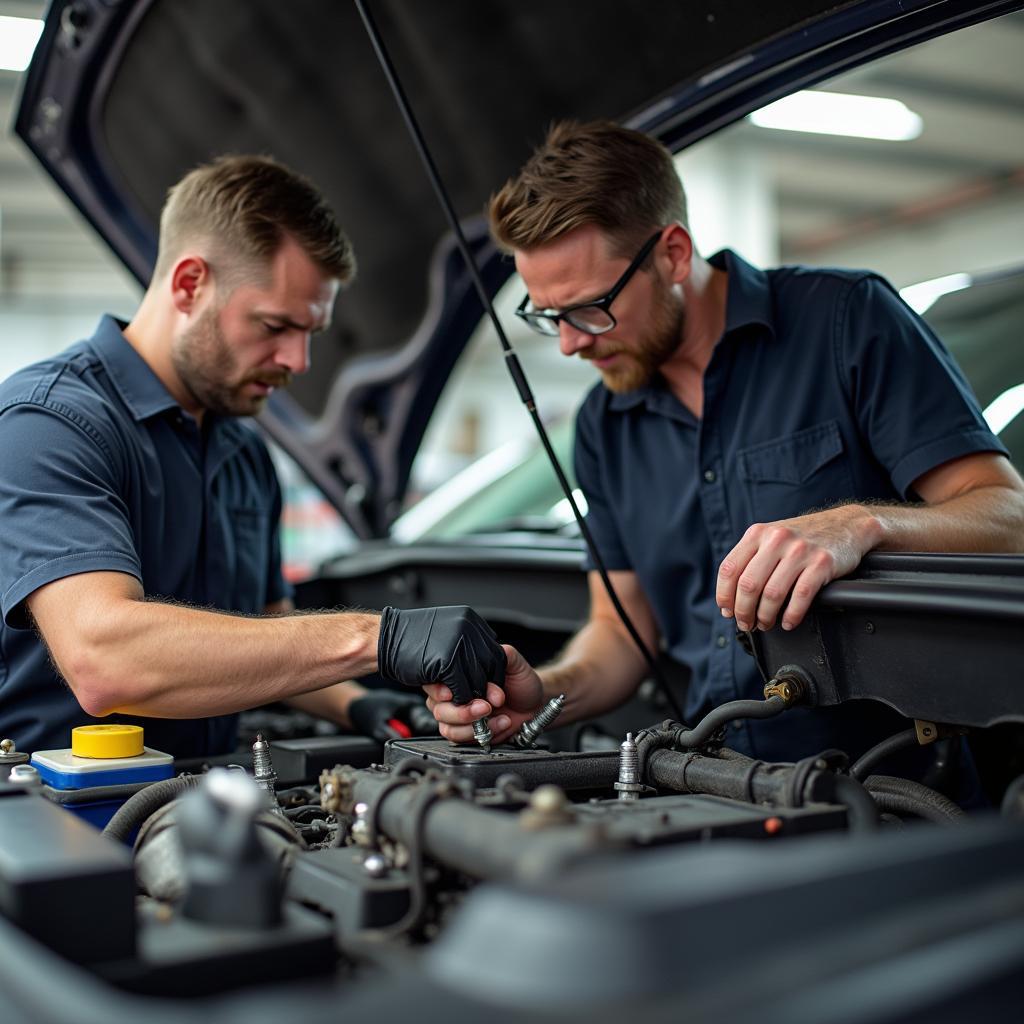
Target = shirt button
(709,475)
(721,641)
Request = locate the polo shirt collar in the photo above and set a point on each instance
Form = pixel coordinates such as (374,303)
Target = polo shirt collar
(748,301)
(139,387)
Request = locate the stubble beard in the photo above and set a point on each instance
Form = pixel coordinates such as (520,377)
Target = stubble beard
(639,363)
(208,369)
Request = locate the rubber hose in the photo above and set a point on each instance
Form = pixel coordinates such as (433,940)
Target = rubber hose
(909,797)
(862,810)
(879,752)
(725,713)
(138,808)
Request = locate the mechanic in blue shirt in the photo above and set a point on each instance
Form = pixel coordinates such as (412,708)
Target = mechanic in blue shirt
(139,510)
(754,435)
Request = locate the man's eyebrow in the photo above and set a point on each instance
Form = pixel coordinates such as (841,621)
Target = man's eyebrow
(287,321)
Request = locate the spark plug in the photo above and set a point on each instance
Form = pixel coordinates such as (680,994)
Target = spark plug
(263,771)
(482,734)
(529,731)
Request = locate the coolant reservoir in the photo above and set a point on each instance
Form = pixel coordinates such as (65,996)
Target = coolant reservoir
(101,756)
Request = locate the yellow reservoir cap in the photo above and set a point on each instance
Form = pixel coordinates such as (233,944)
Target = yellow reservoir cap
(104,741)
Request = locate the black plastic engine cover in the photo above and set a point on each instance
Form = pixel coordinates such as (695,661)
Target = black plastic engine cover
(63,882)
(572,771)
(937,637)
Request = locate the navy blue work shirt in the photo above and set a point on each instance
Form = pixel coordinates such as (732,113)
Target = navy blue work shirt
(101,470)
(824,387)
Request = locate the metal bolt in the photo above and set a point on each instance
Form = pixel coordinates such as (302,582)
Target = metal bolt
(548,799)
(548,808)
(869,627)
(375,864)
(529,731)
(628,786)
(360,832)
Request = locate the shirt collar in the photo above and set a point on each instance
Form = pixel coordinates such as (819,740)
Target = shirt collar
(748,301)
(139,387)
(749,296)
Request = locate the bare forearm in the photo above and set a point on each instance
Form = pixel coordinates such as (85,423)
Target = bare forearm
(598,671)
(332,702)
(989,519)
(169,661)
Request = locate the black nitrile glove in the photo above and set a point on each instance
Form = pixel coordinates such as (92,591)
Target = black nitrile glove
(450,645)
(372,714)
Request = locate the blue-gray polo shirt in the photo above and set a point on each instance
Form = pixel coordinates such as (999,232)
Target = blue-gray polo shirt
(101,470)
(824,386)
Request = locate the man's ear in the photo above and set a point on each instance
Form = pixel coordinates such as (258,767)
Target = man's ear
(190,278)
(679,251)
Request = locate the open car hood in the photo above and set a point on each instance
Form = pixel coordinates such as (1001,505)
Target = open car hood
(124,97)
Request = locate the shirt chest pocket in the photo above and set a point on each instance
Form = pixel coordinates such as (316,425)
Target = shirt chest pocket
(790,475)
(248,548)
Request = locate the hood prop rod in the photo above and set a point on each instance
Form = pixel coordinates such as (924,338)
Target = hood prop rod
(511,359)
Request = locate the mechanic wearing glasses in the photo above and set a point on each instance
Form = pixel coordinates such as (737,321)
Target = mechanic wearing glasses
(140,511)
(753,435)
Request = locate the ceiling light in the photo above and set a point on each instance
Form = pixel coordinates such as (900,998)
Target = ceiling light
(920,297)
(18,38)
(834,113)
(1002,411)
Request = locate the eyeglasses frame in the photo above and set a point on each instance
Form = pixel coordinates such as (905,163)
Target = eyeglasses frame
(603,303)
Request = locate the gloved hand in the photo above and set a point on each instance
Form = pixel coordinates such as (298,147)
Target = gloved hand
(372,712)
(450,645)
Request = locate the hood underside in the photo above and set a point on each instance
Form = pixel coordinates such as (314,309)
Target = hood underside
(123,98)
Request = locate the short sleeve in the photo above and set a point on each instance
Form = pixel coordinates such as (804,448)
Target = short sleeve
(600,516)
(60,505)
(912,402)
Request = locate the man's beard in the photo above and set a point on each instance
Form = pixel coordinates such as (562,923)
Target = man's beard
(207,367)
(640,361)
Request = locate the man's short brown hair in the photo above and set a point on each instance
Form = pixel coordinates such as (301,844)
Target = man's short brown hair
(243,207)
(620,180)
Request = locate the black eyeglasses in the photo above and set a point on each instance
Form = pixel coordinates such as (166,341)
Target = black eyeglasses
(593,317)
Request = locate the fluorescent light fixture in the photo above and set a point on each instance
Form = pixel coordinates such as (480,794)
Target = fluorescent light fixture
(1002,411)
(922,296)
(835,113)
(18,38)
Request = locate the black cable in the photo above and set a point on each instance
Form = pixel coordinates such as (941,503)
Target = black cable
(511,359)
(725,713)
(430,793)
(132,813)
(900,741)
(861,809)
(904,796)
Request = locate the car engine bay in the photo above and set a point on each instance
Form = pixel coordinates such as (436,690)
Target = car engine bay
(670,874)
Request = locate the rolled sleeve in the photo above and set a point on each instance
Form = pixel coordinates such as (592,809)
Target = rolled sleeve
(600,515)
(60,505)
(911,400)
